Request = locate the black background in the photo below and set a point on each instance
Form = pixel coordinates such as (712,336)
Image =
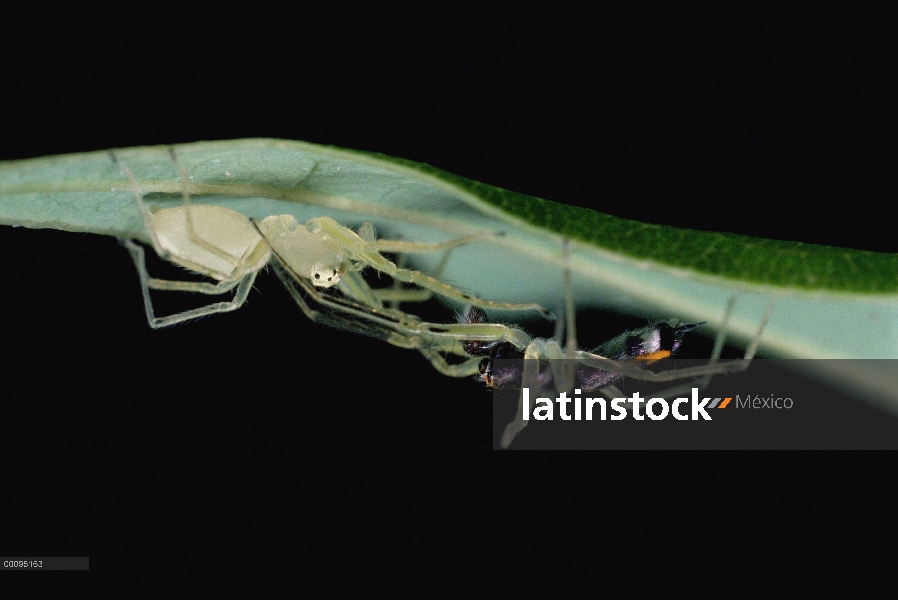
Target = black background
(256,427)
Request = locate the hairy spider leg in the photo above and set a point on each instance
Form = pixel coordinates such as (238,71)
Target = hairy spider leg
(398,328)
(396,293)
(368,254)
(174,238)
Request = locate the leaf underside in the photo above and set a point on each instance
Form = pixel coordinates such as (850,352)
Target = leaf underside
(830,302)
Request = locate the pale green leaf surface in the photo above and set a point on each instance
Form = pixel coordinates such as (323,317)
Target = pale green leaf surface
(830,302)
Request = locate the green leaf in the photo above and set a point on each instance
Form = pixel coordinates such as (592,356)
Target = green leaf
(830,302)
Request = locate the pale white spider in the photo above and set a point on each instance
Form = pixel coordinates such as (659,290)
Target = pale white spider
(226,246)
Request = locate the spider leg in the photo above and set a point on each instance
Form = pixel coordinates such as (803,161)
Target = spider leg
(396,293)
(406,247)
(360,251)
(401,329)
(594,360)
(530,381)
(719,341)
(244,285)
(145,214)
(564,367)
(192,234)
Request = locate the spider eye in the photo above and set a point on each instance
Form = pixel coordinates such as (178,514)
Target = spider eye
(325,277)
